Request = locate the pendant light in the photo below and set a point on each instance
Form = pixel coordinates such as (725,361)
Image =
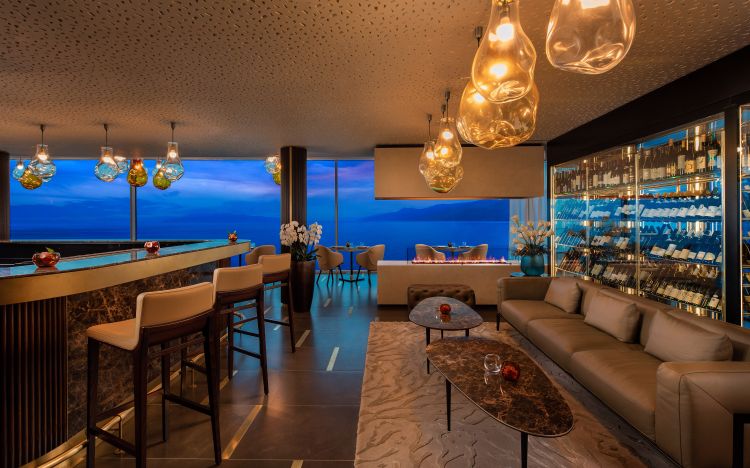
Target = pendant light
(273,167)
(159,179)
(29,180)
(448,149)
(106,169)
(442,179)
(503,67)
(19,169)
(172,165)
(137,175)
(122,164)
(42,165)
(590,36)
(427,158)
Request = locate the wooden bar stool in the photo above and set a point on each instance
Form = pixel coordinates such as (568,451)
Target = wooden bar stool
(277,274)
(161,317)
(233,286)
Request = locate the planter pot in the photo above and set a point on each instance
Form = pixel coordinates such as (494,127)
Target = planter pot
(532,265)
(303,285)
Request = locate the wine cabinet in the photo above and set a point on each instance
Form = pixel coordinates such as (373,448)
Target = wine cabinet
(744,154)
(648,218)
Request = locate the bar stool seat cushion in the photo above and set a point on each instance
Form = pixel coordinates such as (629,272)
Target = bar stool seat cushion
(123,334)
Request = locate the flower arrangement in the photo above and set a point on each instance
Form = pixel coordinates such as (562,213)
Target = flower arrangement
(301,240)
(530,240)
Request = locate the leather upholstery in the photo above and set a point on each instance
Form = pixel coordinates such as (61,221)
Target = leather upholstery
(237,278)
(251,258)
(624,380)
(425,252)
(739,337)
(530,289)
(646,307)
(418,292)
(478,252)
(328,259)
(275,263)
(565,294)
(156,308)
(370,257)
(520,313)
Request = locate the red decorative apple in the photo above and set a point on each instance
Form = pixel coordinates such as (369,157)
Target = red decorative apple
(510,371)
(152,246)
(445,308)
(48,258)
(232,236)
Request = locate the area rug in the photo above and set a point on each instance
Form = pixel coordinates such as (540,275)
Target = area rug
(402,420)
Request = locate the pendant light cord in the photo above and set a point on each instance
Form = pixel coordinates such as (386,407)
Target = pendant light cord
(106,135)
(172,124)
(41,127)
(429,127)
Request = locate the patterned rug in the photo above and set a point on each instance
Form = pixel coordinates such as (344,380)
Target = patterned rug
(402,421)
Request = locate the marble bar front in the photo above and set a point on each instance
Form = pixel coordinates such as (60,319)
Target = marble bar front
(45,314)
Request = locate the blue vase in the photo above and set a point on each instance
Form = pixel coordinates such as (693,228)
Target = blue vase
(532,265)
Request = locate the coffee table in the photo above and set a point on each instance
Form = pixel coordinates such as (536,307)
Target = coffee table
(532,405)
(427,314)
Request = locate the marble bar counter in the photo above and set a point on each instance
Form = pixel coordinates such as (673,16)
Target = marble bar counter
(44,314)
(394,277)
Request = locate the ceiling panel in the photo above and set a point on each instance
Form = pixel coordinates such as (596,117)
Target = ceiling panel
(242,78)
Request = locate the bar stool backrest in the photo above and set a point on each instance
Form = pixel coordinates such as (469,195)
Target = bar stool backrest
(237,278)
(173,305)
(251,258)
(275,263)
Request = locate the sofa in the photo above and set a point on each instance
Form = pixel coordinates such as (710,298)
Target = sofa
(677,378)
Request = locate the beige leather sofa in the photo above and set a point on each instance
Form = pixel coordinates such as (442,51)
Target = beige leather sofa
(686,408)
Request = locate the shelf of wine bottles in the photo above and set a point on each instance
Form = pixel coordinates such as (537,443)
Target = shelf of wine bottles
(745,210)
(647,218)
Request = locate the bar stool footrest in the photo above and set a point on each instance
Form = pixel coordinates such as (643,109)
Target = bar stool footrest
(188,403)
(246,352)
(247,333)
(113,440)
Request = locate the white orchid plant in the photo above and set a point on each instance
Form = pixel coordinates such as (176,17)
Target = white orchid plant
(302,240)
(530,240)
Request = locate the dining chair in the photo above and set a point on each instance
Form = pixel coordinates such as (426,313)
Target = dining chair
(425,252)
(369,259)
(251,258)
(328,260)
(478,252)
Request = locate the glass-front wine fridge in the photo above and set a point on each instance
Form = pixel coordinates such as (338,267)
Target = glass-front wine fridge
(744,153)
(648,218)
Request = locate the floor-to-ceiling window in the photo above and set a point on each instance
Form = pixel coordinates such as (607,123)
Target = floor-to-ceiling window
(213,198)
(321,199)
(73,205)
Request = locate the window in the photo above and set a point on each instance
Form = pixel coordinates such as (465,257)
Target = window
(399,224)
(74,205)
(321,201)
(213,198)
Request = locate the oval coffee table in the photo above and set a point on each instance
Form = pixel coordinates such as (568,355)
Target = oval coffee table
(532,405)
(427,314)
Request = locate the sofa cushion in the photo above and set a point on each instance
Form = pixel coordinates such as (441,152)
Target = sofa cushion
(614,317)
(739,336)
(560,338)
(589,289)
(647,308)
(565,294)
(520,313)
(624,380)
(674,340)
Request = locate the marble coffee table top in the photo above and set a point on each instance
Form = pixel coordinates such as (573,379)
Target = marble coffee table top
(532,404)
(427,314)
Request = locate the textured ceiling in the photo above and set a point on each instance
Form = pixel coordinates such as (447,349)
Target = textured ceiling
(242,78)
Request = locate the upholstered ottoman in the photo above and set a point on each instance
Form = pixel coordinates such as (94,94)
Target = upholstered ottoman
(417,292)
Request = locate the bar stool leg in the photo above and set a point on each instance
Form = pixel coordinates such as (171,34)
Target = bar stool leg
(164,392)
(140,368)
(210,348)
(230,345)
(183,368)
(259,307)
(92,388)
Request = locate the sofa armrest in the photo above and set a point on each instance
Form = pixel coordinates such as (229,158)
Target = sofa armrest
(695,404)
(524,288)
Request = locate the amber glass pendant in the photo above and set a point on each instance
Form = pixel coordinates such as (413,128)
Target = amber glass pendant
(137,175)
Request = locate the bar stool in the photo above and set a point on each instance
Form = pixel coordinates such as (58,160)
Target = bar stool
(236,285)
(277,274)
(161,316)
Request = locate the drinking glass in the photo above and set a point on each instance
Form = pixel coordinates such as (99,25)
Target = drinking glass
(492,363)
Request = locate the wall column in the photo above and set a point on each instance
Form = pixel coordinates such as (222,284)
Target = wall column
(293,184)
(4,196)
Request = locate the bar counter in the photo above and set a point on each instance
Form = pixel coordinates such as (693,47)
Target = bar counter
(44,316)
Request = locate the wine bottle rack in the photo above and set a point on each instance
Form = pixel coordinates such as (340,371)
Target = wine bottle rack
(745,210)
(647,218)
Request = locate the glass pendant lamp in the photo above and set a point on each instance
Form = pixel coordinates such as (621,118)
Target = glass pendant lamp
(159,180)
(42,165)
(137,175)
(590,36)
(448,149)
(490,126)
(273,167)
(122,164)
(106,169)
(443,179)
(173,168)
(157,167)
(29,180)
(503,67)
(427,157)
(19,170)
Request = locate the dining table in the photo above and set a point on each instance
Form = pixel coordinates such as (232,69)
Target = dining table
(351,249)
(453,249)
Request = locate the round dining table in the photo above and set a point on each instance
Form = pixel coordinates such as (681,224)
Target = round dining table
(351,249)
(453,249)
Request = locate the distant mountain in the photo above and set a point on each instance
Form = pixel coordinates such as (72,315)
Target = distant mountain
(466,211)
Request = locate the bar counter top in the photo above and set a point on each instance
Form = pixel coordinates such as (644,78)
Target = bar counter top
(84,273)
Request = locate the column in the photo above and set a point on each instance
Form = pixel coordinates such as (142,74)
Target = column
(293,184)
(4,196)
